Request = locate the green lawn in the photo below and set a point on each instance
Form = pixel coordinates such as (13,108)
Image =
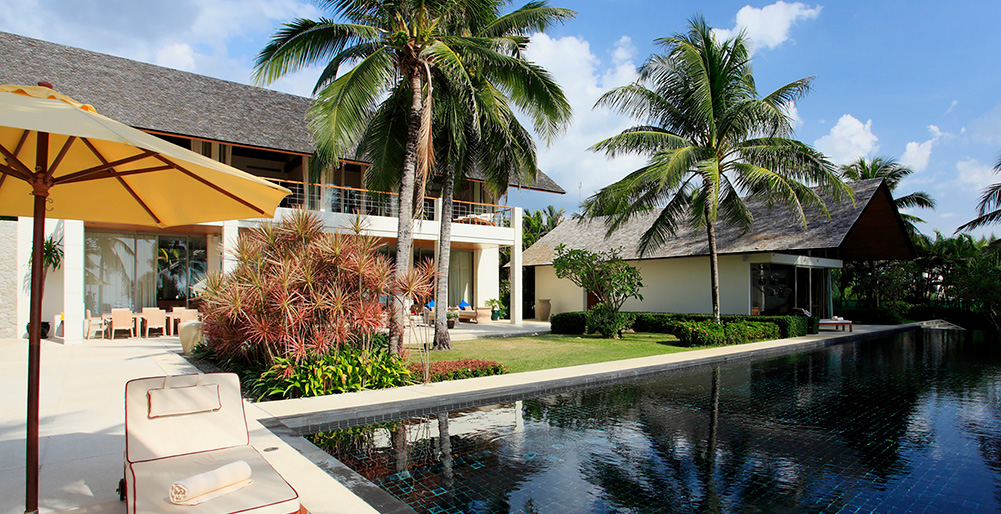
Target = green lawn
(556,350)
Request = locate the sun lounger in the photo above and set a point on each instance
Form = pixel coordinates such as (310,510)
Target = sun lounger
(838,324)
(179,427)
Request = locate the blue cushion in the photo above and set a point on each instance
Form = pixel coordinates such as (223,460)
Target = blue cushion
(464,304)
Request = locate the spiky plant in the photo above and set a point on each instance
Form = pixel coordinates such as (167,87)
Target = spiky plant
(298,292)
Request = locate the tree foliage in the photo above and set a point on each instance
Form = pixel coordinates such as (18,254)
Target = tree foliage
(710,138)
(299,293)
(605,275)
(989,208)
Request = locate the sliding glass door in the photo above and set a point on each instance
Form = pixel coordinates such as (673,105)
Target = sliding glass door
(135,270)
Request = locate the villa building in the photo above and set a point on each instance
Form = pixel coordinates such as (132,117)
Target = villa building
(774,267)
(256,130)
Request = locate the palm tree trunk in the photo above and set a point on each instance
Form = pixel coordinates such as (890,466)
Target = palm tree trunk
(442,341)
(713,265)
(405,228)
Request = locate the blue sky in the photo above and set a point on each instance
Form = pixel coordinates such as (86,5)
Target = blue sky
(918,81)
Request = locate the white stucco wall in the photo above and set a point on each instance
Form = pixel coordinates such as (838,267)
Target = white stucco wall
(562,294)
(486,282)
(8,279)
(670,285)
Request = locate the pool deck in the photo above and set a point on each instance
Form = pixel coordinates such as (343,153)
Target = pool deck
(82,427)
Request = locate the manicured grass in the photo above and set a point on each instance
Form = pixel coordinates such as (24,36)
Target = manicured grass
(556,350)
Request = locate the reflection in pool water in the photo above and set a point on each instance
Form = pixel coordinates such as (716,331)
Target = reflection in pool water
(910,424)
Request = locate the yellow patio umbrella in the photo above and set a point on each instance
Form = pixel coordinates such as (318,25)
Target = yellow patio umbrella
(60,158)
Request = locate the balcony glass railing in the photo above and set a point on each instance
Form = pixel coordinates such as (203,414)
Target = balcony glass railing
(351,200)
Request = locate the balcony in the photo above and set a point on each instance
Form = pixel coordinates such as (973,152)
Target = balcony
(354,201)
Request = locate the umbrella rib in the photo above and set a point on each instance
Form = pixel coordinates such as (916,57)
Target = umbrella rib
(170,163)
(20,143)
(15,164)
(120,179)
(104,167)
(14,172)
(109,174)
(62,153)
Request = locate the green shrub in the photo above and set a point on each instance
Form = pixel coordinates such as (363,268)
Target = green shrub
(813,325)
(607,321)
(346,370)
(710,333)
(789,326)
(457,370)
(568,322)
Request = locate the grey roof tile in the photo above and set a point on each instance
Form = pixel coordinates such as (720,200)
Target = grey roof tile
(774,230)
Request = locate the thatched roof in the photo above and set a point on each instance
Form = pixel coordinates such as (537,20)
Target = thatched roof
(159,99)
(870,228)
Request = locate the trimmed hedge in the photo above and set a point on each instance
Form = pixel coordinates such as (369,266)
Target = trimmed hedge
(568,322)
(709,333)
(457,370)
(787,326)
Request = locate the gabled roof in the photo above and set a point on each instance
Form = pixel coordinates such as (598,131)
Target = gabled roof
(871,228)
(161,99)
(166,100)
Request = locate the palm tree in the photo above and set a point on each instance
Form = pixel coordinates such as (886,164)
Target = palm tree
(395,49)
(989,208)
(539,223)
(892,173)
(494,143)
(710,137)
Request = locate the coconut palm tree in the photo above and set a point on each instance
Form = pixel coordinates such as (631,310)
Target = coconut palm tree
(892,173)
(394,49)
(989,208)
(710,137)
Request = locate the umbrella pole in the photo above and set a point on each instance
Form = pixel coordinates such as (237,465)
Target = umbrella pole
(41,194)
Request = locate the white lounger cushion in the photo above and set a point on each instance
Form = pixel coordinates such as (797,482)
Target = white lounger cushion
(148,438)
(183,400)
(149,483)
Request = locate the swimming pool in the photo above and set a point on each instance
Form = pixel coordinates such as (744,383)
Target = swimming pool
(907,424)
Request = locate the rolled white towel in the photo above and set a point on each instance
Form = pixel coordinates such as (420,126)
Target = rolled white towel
(203,487)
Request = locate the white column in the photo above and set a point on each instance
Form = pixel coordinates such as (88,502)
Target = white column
(24,226)
(487,278)
(74,310)
(230,234)
(516,270)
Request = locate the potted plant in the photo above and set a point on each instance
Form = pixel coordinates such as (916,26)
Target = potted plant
(495,307)
(450,318)
(52,257)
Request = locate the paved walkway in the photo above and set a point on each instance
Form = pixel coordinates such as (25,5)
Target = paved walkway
(82,434)
(82,431)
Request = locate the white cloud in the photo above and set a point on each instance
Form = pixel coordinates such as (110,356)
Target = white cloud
(584,78)
(975,176)
(952,106)
(769,26)
(848,140)
(916,155)
(176,55)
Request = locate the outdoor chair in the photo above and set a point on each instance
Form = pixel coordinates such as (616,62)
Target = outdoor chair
(181,429)
(97,323)
(121,319)
(154,318)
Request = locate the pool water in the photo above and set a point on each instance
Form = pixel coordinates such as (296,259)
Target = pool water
(908,424)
